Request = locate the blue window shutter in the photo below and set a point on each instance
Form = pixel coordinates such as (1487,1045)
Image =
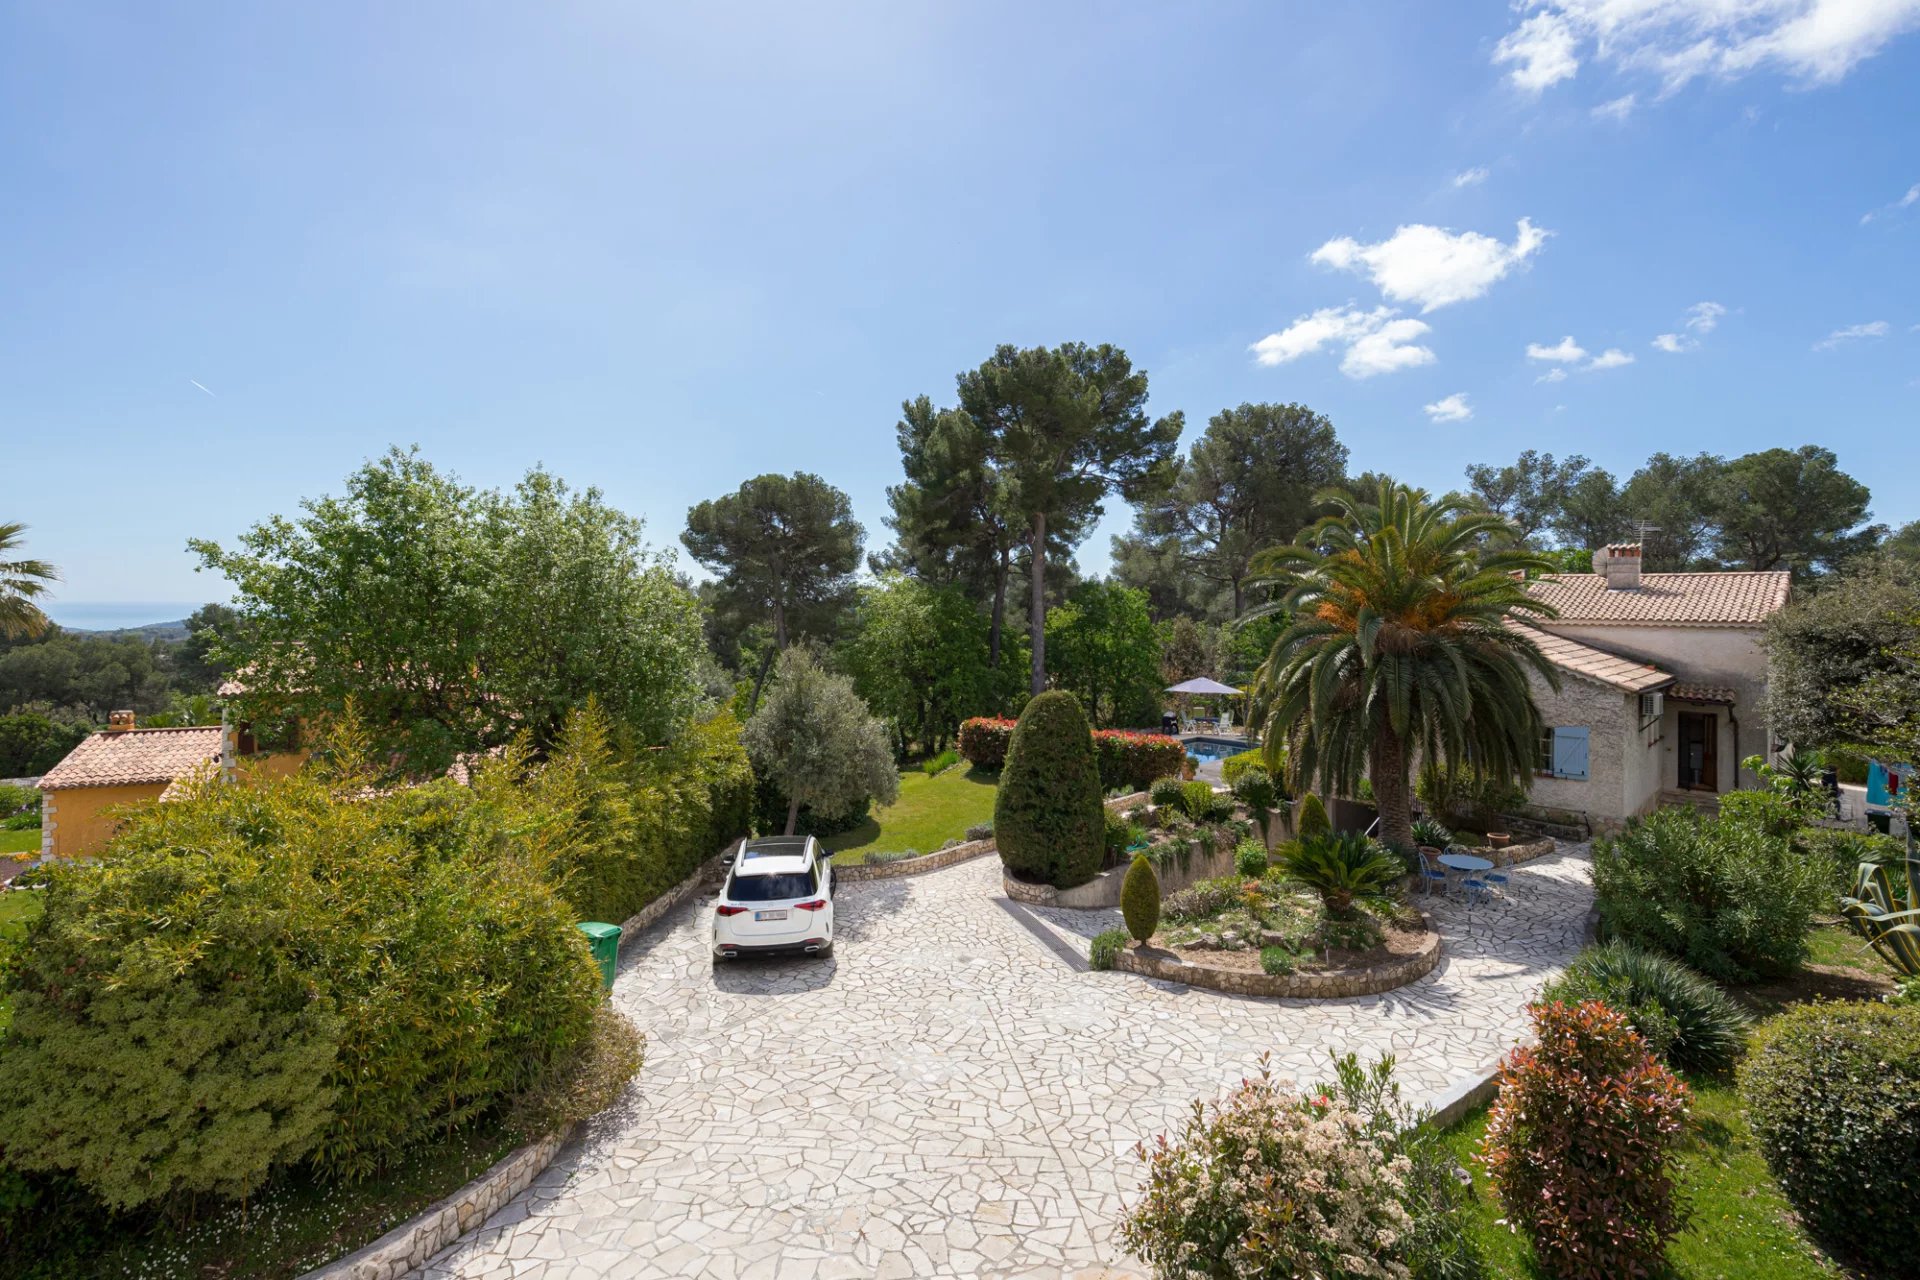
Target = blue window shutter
(1570,753)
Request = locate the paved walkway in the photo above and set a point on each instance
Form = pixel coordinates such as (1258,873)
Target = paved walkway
(953,1094)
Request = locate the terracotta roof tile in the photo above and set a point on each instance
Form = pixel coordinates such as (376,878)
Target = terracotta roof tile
(1665,599)
(1701,693)
(1596,664)
(135,756)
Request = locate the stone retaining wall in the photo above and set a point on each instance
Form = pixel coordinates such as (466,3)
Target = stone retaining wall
(1103,890)
(938,860)
(1525,852)
(1334,985)
(690,887)
(406,1248)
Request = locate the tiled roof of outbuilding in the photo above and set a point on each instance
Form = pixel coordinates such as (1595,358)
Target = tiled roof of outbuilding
(1596,664)
(1665,599)
(135,756)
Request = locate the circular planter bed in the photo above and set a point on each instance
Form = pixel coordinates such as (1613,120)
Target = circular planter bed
(1405,956)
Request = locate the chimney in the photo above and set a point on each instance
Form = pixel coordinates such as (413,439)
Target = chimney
(1619,564)
(119,721)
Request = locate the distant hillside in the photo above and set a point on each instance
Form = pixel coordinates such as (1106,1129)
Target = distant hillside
(150,631)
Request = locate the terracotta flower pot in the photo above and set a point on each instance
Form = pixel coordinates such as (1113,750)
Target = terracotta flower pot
(1499,839)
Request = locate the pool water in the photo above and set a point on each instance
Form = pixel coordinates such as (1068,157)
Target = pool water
(1206,750)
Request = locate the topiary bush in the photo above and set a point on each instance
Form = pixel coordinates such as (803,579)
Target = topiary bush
(1683,1016)
(1105,946)
(1047,816)
(1580,1143)
(1313,818)
(1833,1094)
(1167,793)
(1250,858)
(1140,899)
(1728,897)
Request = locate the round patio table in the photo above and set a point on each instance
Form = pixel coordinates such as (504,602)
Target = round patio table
(1465,862)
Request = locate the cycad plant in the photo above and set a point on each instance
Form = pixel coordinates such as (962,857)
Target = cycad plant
(1343,869)
(1401,642)
(20,582)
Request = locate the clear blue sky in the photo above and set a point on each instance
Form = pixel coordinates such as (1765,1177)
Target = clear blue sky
(663,248)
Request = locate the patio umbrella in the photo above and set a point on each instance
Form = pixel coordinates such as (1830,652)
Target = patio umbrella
(1200,685)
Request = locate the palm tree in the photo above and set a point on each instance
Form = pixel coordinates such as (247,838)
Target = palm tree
(20,582)
(1398,645)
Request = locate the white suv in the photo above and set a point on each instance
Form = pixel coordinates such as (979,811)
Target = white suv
(778,897)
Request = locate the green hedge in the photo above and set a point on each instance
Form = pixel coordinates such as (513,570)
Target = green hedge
(1127,758)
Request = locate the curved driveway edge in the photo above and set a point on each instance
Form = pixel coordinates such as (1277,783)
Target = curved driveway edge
(946,1095)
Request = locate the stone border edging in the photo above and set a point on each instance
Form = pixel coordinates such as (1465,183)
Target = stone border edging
(406,1248)
(1314,986)
(938,860)
(673,897)
(1464,1097)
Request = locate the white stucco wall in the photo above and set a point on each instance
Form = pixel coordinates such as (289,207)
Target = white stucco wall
(1622,758)
(1729,656)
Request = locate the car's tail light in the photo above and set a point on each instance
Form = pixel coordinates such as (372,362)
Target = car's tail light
(818,904)
(731,911)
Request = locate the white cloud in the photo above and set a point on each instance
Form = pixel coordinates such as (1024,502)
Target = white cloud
(1377,341)
(1431,265)
(1905,201)
(1565,351)
(1453,408)
(1470,177)
(1542,50)
(1611,358)
(1617,109)
(1871,329)
(1702,319)
(1553,375)
(1814,41)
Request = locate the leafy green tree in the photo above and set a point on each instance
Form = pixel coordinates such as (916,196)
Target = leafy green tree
(454,619)
(84,675)
(1047,816)
(192,660)
(1904,543)
(1158,568)
(1790,509)
(919,657)
(1593,513)
(1884,708)
(818,743)
(21,583)
(1826,643)
(1399,645)
(32,744)
(1107,651)
(1670,499)
(1531,494)
(1245,485)
(1189,649)
(784,547)
(1065,426)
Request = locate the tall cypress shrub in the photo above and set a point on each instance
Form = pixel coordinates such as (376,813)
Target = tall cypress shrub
(1047,818)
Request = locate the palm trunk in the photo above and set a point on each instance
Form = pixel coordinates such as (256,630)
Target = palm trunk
(1037,614)
(1392,789)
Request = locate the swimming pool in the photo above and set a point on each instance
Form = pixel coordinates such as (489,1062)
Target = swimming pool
(1209,749)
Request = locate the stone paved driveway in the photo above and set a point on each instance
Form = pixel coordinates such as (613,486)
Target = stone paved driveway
(953,1094)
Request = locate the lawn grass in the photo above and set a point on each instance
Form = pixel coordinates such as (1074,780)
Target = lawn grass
(27,841)
(18,908)
(1742,1227)
(929,812)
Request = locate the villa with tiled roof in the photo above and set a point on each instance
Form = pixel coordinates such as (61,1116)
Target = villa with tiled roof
(1662,685)
(116,767)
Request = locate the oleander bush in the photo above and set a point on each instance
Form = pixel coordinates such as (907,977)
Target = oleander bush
(1140,899)
(1683,1017)
(1265,1186)
(1048,818)
(1580,1144)
(1729,897)
(1105,946)
(1833,1094)
(1840,852)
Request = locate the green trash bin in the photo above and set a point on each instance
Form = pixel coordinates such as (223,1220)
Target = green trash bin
(604,939)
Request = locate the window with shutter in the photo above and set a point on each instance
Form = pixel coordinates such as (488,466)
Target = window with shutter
(1570,753)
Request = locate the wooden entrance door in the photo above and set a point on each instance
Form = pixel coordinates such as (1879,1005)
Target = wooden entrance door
(1699,751)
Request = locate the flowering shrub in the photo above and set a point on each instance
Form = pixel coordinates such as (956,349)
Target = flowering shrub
(1269,1185)
(1127,759)
(1580,1141)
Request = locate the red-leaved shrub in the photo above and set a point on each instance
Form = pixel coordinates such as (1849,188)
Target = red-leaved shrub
(984,739)
(1580,1141)
(1127,759)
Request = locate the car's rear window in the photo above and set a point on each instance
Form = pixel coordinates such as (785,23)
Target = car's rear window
(770,888)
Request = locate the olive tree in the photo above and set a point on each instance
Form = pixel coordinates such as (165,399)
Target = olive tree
(814,738)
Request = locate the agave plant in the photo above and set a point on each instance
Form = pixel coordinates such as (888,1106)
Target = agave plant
(1431,834)
(1343,869)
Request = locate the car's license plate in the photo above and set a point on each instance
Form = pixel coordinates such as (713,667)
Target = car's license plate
(769,915)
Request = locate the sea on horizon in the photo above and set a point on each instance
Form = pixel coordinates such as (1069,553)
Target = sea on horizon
(116,615)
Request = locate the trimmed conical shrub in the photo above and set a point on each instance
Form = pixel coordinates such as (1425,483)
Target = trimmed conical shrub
(1140,899)
(1313,818)
(1047,818)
